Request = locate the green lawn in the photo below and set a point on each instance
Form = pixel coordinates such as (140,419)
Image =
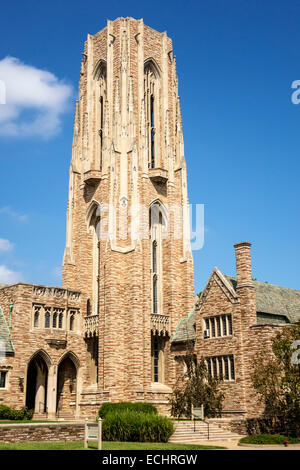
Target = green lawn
(106,446)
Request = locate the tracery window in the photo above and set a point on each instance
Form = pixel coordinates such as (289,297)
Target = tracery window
(101,92)
(158,345)
(151,90)
(157,226)
(47,317)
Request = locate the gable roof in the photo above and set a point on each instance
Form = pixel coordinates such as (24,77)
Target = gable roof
(275,300)
(6,345)
(274,304)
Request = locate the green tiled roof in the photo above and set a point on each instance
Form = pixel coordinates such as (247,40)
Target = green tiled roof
(6,345)
(186,328)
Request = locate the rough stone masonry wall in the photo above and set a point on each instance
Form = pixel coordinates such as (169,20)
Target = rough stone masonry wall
(215,304)
(42,432)
(124,278)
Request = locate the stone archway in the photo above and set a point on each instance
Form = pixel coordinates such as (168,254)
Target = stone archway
(66,387)
(37,383)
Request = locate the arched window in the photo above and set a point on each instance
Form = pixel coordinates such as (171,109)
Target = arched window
(72,321)
(93,220)
(54,320)
(100,81)
(158,344)
(36,317)
(88,307)
(157,226)
(60,320)
(47,318)
(151,96)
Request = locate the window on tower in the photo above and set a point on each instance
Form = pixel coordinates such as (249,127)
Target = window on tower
(151,80)
(157,226)
(100,93)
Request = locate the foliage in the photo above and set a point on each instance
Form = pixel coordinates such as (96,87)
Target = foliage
(136,426)
(11,414)
(195,387)
(277,379)
(268,439)
(122,406)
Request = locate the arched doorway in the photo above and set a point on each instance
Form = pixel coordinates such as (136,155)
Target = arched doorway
(36,384)
(66,387)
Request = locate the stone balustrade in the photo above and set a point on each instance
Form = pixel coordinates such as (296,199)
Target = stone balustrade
(91,325)
(160,324)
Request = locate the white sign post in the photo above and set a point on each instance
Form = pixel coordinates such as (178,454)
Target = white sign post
(93,432)
(198,412)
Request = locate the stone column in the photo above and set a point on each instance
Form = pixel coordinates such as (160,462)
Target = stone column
(52,391)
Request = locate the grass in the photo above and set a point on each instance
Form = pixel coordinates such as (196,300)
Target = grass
(68,445)
(268,439)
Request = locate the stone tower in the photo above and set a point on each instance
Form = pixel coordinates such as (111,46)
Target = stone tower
(128,247)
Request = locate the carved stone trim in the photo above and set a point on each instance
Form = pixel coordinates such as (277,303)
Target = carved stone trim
(56,343)
(91,325)
(160,324)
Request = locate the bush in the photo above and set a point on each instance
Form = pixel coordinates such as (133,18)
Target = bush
(136,426)
(268,439)
(5,412)
(126,406)
(16,415)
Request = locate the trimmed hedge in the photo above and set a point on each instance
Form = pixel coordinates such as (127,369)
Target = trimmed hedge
(11,414)
(268,439)
(135,426)
(126,406)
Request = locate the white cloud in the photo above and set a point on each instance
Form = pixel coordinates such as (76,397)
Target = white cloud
(7,276)
(5,245)
(15,215)
(34,101)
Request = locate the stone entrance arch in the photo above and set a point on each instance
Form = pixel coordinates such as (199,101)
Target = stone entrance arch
(37,382)
(67,386)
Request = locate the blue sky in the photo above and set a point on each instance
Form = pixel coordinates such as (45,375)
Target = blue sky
(236,62)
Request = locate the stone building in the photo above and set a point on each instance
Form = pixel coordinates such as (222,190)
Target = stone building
(233,321)
(117,327)
(127,268)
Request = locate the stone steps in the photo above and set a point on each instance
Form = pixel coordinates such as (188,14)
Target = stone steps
(185,433)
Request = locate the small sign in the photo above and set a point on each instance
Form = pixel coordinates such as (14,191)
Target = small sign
(198,412)
(93,432)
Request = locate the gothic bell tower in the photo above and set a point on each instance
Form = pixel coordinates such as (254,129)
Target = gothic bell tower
(128,243)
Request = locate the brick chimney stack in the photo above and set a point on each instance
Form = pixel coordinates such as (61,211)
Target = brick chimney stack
(245,286)
(243,264)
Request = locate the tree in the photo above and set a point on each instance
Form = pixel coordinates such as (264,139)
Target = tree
(276,379)
(195,387)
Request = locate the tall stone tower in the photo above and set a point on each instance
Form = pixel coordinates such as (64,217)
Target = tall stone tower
(128,247)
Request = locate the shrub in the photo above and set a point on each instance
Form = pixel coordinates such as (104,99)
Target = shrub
(268,439)
(135,426)
(9,413)
(5,412)
(126,406)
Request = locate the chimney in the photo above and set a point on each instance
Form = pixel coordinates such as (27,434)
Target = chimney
(243,264)
(245,286)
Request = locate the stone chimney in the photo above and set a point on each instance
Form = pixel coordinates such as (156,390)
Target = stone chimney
(245,286)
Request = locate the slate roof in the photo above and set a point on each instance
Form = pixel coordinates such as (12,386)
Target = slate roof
(6,345)
(186,329)
(274,304)
(275,300)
